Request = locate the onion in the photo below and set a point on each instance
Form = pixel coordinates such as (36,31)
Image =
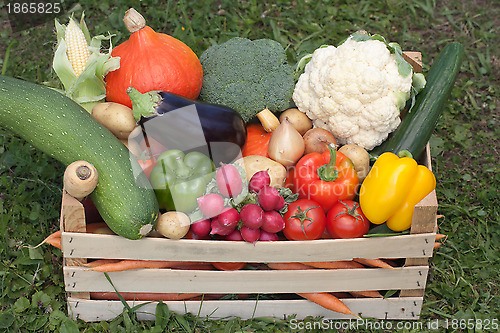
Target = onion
(286,145)
(317,140)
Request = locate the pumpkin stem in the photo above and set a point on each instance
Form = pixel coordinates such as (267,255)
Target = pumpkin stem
(133,20)
(144,104)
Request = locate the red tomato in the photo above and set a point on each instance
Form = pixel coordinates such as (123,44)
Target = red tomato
(346,220)
(304,220)
(229,266)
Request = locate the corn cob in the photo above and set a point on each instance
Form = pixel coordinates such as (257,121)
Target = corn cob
(78,49)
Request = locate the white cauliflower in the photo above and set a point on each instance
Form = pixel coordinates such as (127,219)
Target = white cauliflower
(355,91)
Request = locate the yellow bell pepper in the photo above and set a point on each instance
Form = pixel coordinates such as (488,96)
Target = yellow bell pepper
(392,188)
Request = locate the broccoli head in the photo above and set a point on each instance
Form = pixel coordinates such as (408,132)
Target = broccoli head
(247,76)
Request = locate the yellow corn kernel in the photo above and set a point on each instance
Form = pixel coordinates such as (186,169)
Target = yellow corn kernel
(77,47)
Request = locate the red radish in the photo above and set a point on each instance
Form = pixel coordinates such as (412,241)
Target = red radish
(229,218)
(268,198)
(234,236)
(259,180)
(218,229)
(250,235)
(281,204)
(229,181)
(272,222)
(252,215)
(201,227)
(192,235)
(211,204)
(268,236)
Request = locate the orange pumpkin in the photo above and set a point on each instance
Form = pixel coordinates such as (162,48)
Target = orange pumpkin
(257,141)
(152,61)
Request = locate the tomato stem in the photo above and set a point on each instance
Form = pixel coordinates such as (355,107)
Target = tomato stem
(350,211)
(302,216)
(328,172)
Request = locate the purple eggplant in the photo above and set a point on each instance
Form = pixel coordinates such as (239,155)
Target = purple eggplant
(180,123)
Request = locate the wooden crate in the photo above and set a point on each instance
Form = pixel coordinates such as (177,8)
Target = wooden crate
(409,280)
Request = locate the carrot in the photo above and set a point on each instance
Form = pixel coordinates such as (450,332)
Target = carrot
(441,236)
(341,264)
(328,301)
(54,241)
(131,296)
(288,266)
(49,239)
(436,245)
(366,293)
(374,263)
(100,262)
(127,264)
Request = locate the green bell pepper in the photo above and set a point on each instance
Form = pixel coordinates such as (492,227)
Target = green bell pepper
(179,179)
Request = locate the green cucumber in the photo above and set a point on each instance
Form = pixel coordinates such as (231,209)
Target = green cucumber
(417,126)
(58,126)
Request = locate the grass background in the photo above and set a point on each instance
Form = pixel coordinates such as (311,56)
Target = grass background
(464,276)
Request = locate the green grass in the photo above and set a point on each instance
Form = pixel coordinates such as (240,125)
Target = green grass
(463,282)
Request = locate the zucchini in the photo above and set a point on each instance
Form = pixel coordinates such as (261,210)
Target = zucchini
(60,127)
(417,126)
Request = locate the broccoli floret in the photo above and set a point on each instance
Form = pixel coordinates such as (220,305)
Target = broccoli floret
(247,76)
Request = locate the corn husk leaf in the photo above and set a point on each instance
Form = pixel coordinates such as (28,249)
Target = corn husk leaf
(88,88)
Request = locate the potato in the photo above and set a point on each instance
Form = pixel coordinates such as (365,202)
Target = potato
(116,117)
(359,157)
(254,163)
(173,225)
(298,119)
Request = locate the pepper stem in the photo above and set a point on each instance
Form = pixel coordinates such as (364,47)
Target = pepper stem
(328,172)
(144,105)
(405,153)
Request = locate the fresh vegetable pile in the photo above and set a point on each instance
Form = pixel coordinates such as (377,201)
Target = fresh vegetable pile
(229,146)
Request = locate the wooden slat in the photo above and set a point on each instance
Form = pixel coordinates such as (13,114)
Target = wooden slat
(407,308)
(414,58)
(111,246)
(424,221)
(245,281)
(72,219)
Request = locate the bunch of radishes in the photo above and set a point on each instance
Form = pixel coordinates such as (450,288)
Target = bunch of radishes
(255,221)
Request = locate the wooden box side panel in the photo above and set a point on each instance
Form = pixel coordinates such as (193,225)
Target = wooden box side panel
(110,246)
(79,279)
(391,308)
